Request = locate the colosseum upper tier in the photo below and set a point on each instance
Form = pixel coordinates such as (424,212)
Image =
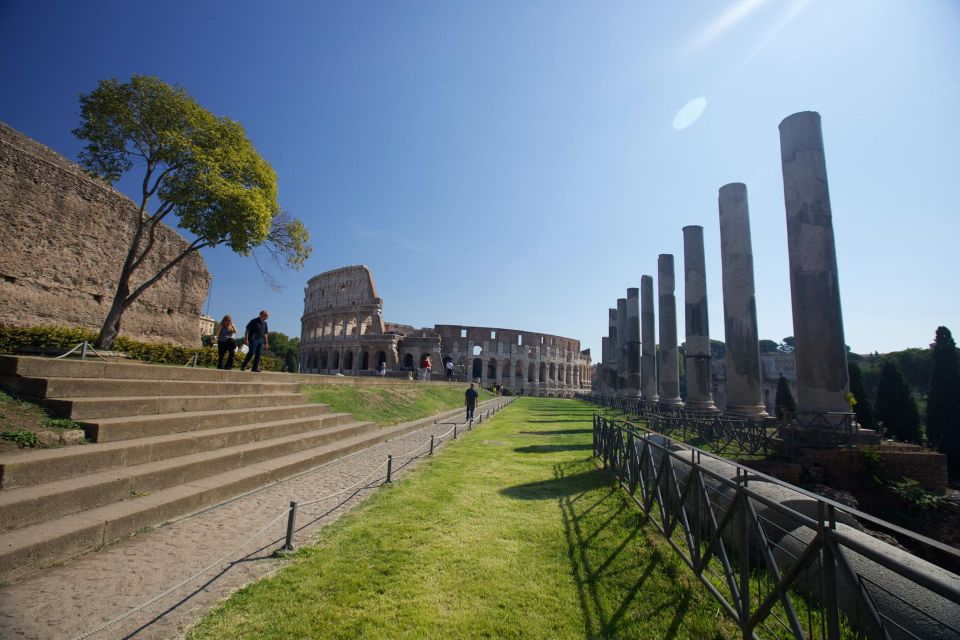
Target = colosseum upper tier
(343,331)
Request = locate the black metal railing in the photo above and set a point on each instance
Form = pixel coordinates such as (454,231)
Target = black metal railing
(782,562)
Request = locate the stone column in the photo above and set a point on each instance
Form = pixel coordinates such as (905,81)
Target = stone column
(611,369)
(821,353)
(744,394)
(669,366)
(699,395)
(602,367)
(633,343)
(648,375)
(621,346)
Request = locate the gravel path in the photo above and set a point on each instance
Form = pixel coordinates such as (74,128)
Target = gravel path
(73,599)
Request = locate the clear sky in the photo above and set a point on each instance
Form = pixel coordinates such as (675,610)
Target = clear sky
(520,164)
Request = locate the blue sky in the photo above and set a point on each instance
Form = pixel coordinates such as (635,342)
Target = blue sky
(516,164)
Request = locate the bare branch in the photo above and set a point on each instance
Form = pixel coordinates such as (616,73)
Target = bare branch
(194,247)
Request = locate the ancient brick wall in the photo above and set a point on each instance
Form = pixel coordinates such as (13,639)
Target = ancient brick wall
(63,239)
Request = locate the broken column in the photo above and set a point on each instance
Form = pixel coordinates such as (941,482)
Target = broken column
(744,393)
(648,362)
(601,387)
(699,396)
(821,354)
(633,343)
(669,367)
(621,346)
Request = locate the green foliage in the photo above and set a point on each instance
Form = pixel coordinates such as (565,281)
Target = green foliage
(285,349)
(199,167)
(66,338)
(915,496)
(21,437)
(916,365)
(896,408)
(862,406)
(943,403)
(788,344)
(768,346)
(783,402)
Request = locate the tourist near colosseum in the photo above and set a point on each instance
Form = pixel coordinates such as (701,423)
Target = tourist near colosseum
(343,331)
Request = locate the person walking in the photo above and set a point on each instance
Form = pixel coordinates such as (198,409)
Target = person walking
(470,400)
(449,368)
(255,337)
(226,342)
(383,368)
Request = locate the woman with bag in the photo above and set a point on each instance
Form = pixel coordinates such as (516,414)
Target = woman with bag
(226,344)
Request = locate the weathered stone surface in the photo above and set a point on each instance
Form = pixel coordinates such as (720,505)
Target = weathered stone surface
(343,331)
(633,343)
(699,397)
(621,346)
(610,363)
(669,379)
(63,239)
(71,436)
(821,353)
(739,304)
(648,375)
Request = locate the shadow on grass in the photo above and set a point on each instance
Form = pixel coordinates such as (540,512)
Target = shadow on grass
(553,448)
(556,432)
(608,589)
(580,421)
(556,487)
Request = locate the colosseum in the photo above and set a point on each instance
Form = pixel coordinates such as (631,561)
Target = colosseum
(343,331)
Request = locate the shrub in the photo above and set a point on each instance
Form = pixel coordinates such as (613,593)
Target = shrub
(53,337)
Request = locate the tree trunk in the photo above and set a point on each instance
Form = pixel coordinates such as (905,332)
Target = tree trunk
(111,325)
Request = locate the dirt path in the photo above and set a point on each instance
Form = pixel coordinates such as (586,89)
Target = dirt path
(74,599)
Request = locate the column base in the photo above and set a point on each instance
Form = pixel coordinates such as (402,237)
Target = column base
(676,403)
(749,410)
(704,406)
(651,399)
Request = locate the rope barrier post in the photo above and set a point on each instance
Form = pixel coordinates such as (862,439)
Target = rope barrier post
(291,526)
(454,431)
(431,444)
(83,350)
(389,469)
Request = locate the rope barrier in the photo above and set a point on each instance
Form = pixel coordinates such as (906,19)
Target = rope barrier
(163,594)
(84,348)
(290,511)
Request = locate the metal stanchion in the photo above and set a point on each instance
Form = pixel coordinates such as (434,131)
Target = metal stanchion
(389,480)
(431,444)
(454,432)
(291,526)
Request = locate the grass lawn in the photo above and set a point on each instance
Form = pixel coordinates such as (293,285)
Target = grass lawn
(389,405)
(511,532)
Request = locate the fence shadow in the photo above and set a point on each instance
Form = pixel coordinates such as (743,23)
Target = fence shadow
(553,448)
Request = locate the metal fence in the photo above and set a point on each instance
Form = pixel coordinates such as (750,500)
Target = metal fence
(782,562)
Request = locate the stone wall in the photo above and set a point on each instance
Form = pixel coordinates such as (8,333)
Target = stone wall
(63,239)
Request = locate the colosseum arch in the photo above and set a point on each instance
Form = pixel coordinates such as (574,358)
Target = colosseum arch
(543,372)
(477,368)
(518,373)
(492,369)
(553,371)
(365,361)
(348,360)
(335,365)
(506,371)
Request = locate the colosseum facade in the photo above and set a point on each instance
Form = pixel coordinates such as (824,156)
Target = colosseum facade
(343,331)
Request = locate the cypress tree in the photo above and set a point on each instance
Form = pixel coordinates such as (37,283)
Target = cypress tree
(784,402)
(895,405)
(943,403)
(863,408)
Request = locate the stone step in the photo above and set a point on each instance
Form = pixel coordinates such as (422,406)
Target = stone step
(25,550)
(22,507)
(143,426)
(85,409)
(53,387)
(49,465)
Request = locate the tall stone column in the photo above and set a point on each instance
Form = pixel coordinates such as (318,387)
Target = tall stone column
(602,367)
(633,343)
(612,351)
(648,373)
(669,386)
(621,346)
(744,393)
(821,353)
(699,395)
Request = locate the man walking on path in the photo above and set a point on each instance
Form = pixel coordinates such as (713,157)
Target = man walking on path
(470,399)
(255,337)
(449,367)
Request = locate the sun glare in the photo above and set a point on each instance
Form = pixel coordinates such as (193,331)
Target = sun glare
(689,113)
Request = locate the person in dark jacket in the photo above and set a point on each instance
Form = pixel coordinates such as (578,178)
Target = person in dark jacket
(470,400)
(255,337)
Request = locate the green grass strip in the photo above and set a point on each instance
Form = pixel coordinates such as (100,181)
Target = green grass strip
(511,532)
(391,404)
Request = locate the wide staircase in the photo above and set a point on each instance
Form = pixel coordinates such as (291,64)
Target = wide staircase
(164,442)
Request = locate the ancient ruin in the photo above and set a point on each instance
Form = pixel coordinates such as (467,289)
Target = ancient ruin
(343,331)
(63,239)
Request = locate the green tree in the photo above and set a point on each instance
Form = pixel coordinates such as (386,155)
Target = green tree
(285,348)
(943,403)
(197,167)
(768,346)
(783,401)
(789,344)
(896,408)
(863,408)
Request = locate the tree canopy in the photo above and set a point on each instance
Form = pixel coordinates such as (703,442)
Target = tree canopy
(197,167)
(784,402)
(863,407)
(895,405)
(943,403)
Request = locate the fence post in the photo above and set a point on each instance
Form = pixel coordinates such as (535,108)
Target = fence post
(431,444)
(291,526)
(831,605)
(389,479)
(454,431)
(83,350)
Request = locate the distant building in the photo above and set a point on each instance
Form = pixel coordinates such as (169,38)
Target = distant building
(343,331)
(772,366)
(208,326)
